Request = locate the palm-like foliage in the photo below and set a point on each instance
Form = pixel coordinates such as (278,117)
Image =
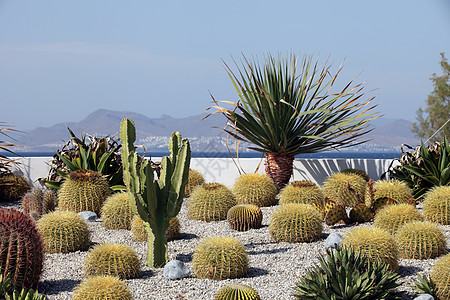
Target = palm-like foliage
(284,110)
(6,132)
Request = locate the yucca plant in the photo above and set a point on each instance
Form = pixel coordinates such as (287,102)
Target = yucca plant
(345,274)
(287,107)
(424,168)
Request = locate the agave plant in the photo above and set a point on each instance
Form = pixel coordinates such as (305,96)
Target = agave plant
(99,154)
(345,274)
(287,107)
(6,162)
(424,168)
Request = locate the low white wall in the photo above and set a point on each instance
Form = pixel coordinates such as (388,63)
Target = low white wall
(224,170)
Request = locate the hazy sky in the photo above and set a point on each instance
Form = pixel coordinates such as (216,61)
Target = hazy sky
(61,60)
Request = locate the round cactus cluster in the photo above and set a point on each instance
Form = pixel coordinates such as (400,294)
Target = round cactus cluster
(243,217)
(83,190)
(344,188)
(195,179)
(296,222)
(112,259)
(210,202)
(36,202)
(374,243)
(258,189)
(397,190)
(436,206)
(64,232)
(102,287)
(21,249)
(116,212)
(236,291)
(391,217)
(302,191)
(440,275)
(12,187)
(139,233)
(420,240)
(219,258)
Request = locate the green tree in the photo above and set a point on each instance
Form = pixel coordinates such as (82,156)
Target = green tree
(437,111)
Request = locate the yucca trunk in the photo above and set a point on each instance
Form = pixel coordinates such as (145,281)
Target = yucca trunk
(279,167)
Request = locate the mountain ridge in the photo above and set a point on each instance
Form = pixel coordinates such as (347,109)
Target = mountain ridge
(386,133)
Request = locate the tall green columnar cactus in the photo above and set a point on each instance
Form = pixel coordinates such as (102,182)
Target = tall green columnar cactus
(156,201)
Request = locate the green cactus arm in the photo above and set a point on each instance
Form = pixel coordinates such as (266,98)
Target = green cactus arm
(127,137)
(174,144)
(148,187)
(179,179)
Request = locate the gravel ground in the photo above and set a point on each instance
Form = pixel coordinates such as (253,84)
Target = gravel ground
(274,267)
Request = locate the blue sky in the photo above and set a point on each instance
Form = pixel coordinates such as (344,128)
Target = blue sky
(61,60)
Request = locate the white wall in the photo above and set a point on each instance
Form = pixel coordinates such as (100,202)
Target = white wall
(224,170)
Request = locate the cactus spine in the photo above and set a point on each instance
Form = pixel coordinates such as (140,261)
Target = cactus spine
(156,201)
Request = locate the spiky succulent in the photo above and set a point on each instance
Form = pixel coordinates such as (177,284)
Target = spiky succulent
(64,232)
(112,259)
(102,287)
(258,189)
(210,202)
(344,188)
(243,217)
(420,240)
(374,243)
(440,276)
(220,257)
(436,207)
(12,187)
(237,291)
(32,203)
(361,173)
(116,212)
(346,274)
(195,179)
(302,191)
(84,190)
(393,189)
(391,217)
(295,223)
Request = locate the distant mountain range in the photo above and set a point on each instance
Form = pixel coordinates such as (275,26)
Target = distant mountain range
(205,134)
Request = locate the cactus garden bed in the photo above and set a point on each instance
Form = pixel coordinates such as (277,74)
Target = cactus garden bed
(274,268)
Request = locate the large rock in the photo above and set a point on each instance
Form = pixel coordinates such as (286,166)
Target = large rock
(88,216)
(424,297)
(175,269)
(333,240)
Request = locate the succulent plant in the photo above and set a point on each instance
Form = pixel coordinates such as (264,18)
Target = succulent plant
(440,276)
(243,217)
(112,259)
(346,274)
(12,187)
(258,189)
(344,188)
(361,173)
(210,202)
(102,287)
(335,213)
(436,206)
(220,257)
(295,223)
(83,190)
(155,201)
(237,291)
(420,240)
(302,191)
(360,214)
(7,293)
(392,217)
(425,285)
(21,249)
(32,203)
(374,243)
(195,179)
(139,233)
(116,211)
(49,201)
(392,189)
(64,232)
